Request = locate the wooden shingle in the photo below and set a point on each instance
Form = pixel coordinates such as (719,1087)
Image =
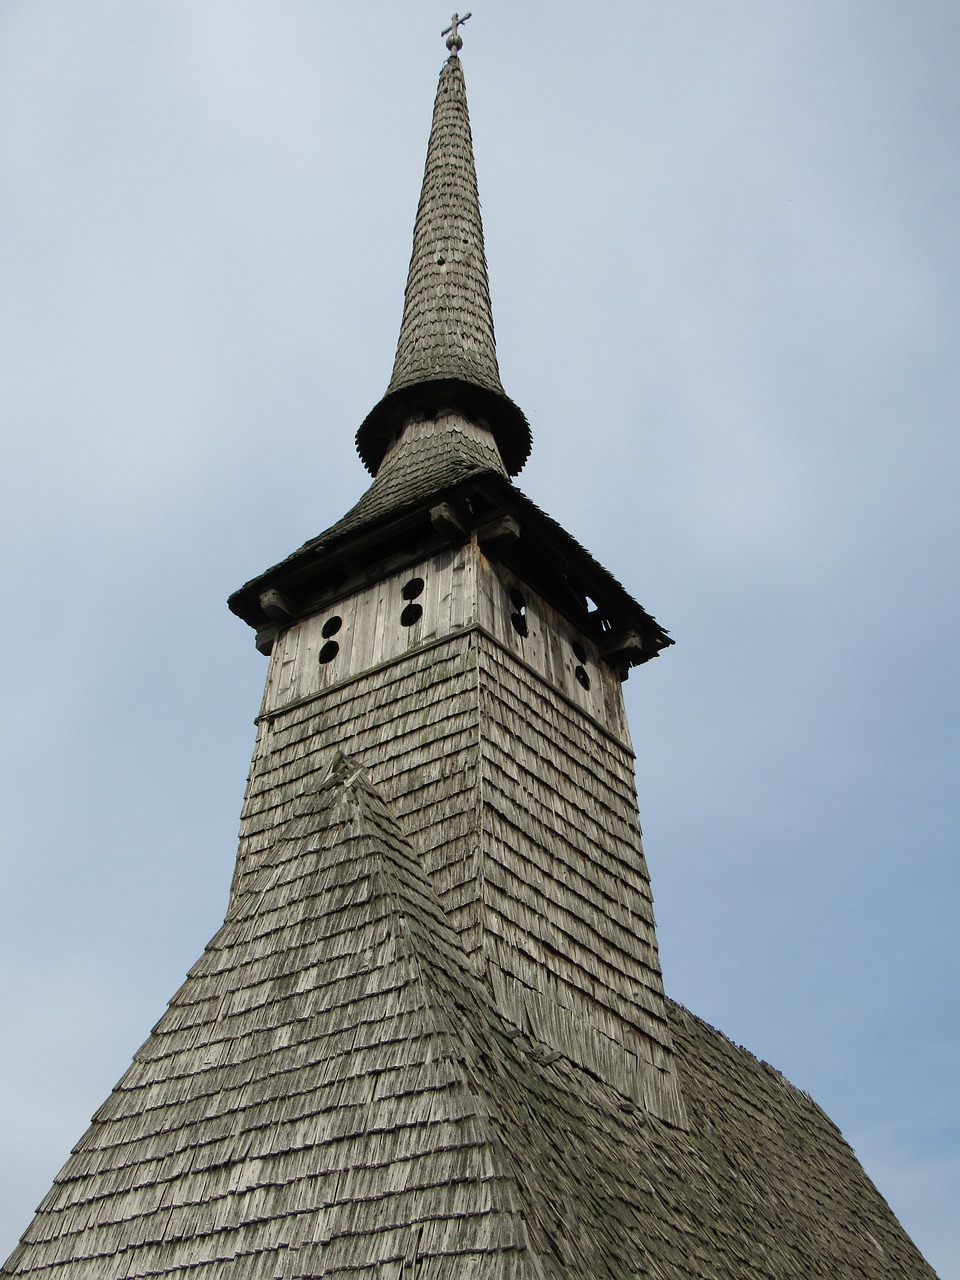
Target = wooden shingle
(430,1040)
(447,353)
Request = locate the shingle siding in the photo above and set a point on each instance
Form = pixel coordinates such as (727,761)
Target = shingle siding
(399,1121)
(430,1040)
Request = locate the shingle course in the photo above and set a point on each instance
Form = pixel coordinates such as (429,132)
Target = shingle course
(342,1086)
(447,348)
(511,1158)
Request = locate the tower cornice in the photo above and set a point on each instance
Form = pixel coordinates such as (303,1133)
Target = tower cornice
(372,540)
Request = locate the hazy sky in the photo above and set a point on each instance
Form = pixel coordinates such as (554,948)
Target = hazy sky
(723,245)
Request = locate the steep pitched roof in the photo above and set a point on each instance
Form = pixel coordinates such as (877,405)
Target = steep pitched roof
(761,1186)
(431,456)
(335,1090)
(332,1092)
(303,1107)
(432,462)
(446,353)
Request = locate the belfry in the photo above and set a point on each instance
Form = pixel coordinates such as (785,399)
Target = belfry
(430,1040)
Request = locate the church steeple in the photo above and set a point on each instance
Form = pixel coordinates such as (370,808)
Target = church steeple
(446,356)
(445,439)
(431,1038)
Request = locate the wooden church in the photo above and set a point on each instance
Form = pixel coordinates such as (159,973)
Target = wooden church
(430,1040)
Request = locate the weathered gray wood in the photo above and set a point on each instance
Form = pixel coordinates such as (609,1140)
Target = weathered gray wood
(276,606)
(446,353)
(430,1040)
(334,1092)
(499,533)
(450,523)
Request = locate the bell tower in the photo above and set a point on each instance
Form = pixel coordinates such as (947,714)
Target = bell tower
(457,643)
(430,1039)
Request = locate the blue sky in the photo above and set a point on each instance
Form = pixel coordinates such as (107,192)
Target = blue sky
(724,263)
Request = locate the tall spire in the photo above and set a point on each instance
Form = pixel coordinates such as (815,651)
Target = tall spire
(446,355)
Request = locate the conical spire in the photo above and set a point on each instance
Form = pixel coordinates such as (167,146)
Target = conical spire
(446,355)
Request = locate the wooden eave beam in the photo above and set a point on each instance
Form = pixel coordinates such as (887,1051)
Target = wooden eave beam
(317,573)
(566,575)
(508,526)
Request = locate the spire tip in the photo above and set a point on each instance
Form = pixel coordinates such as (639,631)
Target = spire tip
(454,38)
(446,351)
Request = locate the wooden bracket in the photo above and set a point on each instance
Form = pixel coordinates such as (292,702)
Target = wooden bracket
(448,523)
(277,607)
(623,649)
(498,533)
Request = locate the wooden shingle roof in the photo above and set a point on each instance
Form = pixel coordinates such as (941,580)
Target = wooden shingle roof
(304,1094)
(442,457)
(333,1092)
(342,1086)
(446,352)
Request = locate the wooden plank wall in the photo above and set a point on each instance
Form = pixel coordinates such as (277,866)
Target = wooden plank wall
(549,646)
(461,588)
(372,627)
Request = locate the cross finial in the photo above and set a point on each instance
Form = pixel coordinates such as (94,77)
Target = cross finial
(454,38)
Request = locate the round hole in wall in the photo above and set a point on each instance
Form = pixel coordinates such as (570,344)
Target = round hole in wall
(331,627)
(518,619)
(411,614)
(412,589)
(579,651)
(328,652)
(582,677)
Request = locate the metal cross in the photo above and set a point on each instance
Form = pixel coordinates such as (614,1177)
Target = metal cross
(454,39)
